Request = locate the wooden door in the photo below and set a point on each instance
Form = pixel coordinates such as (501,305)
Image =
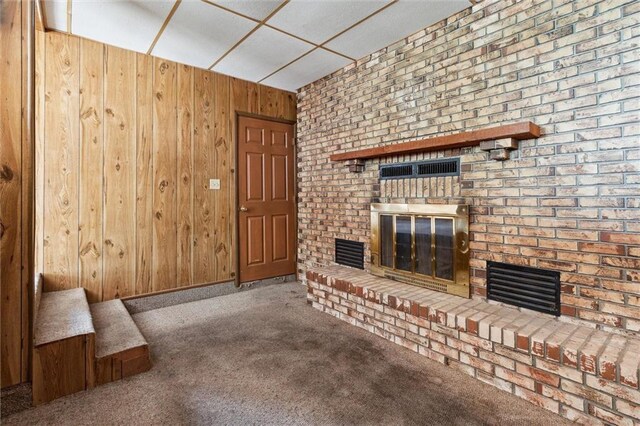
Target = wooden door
(266,199)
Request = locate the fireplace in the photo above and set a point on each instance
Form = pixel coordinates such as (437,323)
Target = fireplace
(422,244)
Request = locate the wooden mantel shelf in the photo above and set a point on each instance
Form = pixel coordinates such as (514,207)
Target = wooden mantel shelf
(519,131)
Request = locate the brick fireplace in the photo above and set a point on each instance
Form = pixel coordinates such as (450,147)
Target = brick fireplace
(566,203)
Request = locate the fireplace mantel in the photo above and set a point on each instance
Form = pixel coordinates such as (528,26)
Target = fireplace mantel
(515,131)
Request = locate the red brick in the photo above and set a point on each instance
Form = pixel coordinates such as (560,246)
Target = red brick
(539,400)
(614,389)
(515,378)
(632,410)
(608,416)
(538,375)
(587,393)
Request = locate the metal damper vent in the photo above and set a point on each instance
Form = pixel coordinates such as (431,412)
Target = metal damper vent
(350,253)
(526,287)
(432,168)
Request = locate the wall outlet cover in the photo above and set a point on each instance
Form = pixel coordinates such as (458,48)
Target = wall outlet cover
(214,183)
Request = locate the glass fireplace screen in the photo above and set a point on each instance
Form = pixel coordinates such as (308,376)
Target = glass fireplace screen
(425,245)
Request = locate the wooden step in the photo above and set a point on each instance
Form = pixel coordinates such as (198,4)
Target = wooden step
(63,344)
(120,349)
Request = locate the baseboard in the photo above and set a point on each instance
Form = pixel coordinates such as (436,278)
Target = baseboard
(156,301)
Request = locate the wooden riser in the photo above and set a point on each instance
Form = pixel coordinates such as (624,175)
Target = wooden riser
(124,364)
(60,368)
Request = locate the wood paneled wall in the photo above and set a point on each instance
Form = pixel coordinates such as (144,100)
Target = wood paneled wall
(127,144)
(16,160)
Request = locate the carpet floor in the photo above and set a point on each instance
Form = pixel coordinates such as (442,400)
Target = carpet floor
(265,357)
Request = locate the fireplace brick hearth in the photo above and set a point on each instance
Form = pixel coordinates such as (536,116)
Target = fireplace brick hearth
(586,375)
(568,201)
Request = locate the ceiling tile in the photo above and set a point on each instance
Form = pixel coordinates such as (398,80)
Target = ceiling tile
(55,12)
(319,20)
(252,8)
(131,24)
(311,67)
(262,53)
(392,24)
(198,34)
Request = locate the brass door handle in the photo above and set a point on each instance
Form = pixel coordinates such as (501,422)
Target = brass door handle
(243,209)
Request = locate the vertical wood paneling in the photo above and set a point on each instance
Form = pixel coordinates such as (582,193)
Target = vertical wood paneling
(289,105)
(245,97)
(10,191)
(91,158)
(204,163)
(164,175)
(184,203)
(269,101)
(119,173)
(144,173)
(222,140)
(27,187)
(166,130)
(39,111)
(276,103)
(62,159)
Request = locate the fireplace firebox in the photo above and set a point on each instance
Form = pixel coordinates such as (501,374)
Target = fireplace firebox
(422,244)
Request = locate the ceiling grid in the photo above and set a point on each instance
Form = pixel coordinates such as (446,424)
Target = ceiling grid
(281,43)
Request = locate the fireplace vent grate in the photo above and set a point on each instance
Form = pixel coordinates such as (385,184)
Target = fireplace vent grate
(439,168)
(523,286)
(434,168)
(396,171)
(350,253)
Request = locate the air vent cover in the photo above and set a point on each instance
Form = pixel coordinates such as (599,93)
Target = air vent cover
(434,168)
(523,286)
(439,168)
(396,171)
(350,253)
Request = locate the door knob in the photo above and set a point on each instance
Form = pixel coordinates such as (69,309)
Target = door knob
(243,209)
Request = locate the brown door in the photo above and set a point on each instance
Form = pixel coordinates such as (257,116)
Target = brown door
(266,204)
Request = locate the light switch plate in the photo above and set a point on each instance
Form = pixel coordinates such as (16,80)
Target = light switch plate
(214,183)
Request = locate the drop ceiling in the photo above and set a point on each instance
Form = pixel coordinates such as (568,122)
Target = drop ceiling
(281,43)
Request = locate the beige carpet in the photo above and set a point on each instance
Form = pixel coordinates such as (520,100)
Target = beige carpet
(62,314)
(115,330)
(265,357)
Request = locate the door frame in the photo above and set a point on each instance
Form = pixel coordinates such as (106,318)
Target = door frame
(236,198)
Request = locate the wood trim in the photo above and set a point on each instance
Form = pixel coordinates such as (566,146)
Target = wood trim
(520,131)
(40,17)
(280,30)
(352,26)
(69,15)
(164,26)
(263,117)
(239,42)
(29,196)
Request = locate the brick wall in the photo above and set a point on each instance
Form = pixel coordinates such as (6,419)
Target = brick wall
(568,201)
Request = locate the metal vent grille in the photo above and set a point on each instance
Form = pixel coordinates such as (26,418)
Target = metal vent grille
(526,287)
(439,168)
(350,253)
(434,168)
(395,172)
